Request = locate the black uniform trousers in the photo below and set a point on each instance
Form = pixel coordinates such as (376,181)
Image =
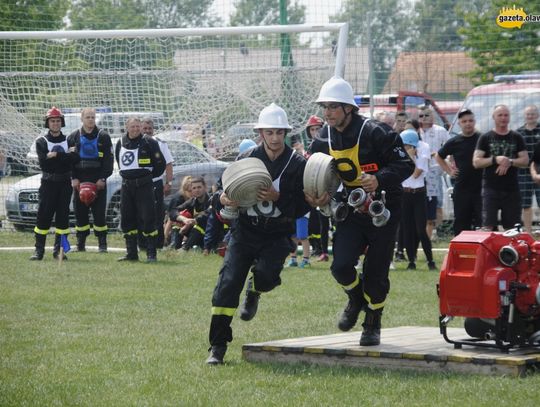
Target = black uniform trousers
(98,208)
(325,230)
(247,248)
(414,220)
(137,207)
(318,227)
(467,209)
(509,203)
(160,212)
(54,198)
(355,236)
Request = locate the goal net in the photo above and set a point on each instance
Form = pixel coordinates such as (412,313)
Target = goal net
(202,86)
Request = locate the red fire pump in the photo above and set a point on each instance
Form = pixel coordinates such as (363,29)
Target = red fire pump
(492,279)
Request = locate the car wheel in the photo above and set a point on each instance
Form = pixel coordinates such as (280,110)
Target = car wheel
(14,168)
(113,213)
(20,227)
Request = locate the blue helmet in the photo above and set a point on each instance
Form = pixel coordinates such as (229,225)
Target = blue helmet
(409,137)
(245,145)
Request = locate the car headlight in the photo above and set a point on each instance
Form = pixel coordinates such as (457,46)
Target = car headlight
(11,196)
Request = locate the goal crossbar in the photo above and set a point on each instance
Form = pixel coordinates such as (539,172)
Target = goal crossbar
(341,28)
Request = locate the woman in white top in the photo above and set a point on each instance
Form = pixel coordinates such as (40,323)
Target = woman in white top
(414,211)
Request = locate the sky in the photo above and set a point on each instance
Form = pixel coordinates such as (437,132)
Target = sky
(316,13)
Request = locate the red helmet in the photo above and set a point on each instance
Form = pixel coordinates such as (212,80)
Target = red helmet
(54,112)
(87,193)
(314,121)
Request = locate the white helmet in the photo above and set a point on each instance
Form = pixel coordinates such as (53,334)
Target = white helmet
(273,117)
(337,89)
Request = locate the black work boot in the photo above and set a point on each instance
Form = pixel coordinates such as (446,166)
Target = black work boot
(371,334)
(102,242)
(131,249)
(151,252)
(40,247)
(217,352)
(250,304)
(81,241)
(56,247)
(356,303)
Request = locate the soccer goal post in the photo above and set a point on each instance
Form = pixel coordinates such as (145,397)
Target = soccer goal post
(208,78)
(205,86)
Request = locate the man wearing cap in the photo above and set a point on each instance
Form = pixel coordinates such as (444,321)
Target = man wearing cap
(369,155)
(56,158)
(261,238)
(96,165)
(467,194)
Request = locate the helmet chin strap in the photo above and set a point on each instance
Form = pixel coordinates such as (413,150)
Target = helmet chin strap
(346,120)
(271,153)
(269,150)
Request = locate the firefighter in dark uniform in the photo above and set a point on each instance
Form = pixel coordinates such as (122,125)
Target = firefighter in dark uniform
(56,158)
(370,155)
(198,208)
(259,242)
(139,159)
(96,165)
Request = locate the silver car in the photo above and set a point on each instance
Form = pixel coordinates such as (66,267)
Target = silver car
(22,198)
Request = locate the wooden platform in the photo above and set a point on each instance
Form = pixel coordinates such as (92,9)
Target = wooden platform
(408,347)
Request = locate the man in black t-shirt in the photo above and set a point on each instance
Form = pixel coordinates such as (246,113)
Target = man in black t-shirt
(467,195)
(500,152)
(531,134)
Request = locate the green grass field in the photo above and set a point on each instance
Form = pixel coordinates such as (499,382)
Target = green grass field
(95,332)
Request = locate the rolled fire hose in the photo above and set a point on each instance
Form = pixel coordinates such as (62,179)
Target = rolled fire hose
(243,179)
(320,176)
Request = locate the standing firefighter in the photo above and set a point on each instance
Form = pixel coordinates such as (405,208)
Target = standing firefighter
(139,159)
(162,184)
(369,155)
(89,179)
(56,157)
(259,242)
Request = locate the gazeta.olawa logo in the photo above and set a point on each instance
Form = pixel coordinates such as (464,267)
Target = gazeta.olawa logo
(515,17)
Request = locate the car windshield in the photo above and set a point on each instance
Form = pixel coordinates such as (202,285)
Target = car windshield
(482,107)
(186,153)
